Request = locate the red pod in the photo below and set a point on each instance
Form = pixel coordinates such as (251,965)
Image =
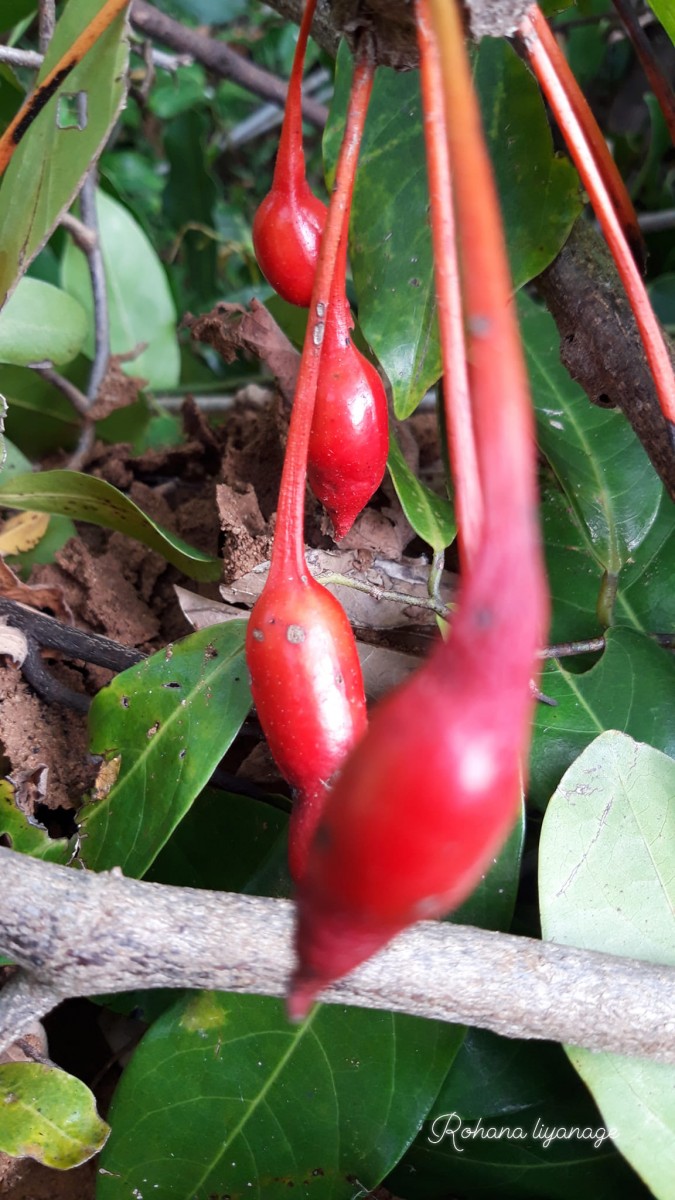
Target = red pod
(349,441)
(287,231)
(308,691)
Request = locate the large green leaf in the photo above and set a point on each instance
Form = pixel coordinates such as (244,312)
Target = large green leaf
(41,323)
(600,464)
(631,688)
(48,1115)
(86,498)
(170,719)
(486,1133)
(430,515)
(139,298)
(607,882)
(390,237)
(50,163)
(225,1098)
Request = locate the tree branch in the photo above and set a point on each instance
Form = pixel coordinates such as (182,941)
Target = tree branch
(218,57)
(77,933)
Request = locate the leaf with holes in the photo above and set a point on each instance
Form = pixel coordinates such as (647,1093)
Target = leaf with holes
(48,166)
(607,883)
(390,243)
(48,1115)
(600,464)
(86,498)
(224,1098)
(631,688)
(431,516)
(169,720)
(28,837)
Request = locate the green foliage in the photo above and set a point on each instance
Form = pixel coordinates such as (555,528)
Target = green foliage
(48,1115)
(40,323)
(430,515)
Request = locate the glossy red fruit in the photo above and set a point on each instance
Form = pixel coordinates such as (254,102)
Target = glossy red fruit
(288,225)
(349,441)
(308,691)
(287,232)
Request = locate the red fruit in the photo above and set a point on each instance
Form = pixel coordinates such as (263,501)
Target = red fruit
(308,691)
(349,441)
(288,225)
(287,232)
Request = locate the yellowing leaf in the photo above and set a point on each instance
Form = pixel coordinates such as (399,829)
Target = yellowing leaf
(23,532)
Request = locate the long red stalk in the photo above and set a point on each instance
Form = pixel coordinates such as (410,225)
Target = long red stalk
(53,80)
(459,421)
(534,34)
(289,170)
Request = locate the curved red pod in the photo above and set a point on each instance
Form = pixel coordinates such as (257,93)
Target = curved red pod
(349,442)
(287,231)
(308,691)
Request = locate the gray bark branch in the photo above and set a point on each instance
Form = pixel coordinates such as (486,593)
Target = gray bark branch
(76,933)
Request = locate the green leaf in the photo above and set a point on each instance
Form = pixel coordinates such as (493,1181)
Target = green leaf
(171,719)
(139,298)
(390,238)
(631,688)
(27,837)
(486,1133)
(48,1115)
(666,15)
(85,498)
(607,882)
(224,1097)
(41,323)
(430,515)
(14,11)
(600,463)
(40,419)
(50,163)
(491,904)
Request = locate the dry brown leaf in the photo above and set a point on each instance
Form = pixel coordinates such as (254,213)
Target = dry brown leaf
(23,532)
(118,390)
(34,595)
(231,329)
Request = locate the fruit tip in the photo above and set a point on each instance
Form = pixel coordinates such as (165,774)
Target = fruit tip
(300,998)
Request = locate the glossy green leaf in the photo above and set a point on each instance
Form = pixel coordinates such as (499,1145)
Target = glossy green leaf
(666,14)
(607,882)
(141,306)
(170,719)
(430,515)
(646,597)
(631,688)
(574,575)
(27,837)
(390,238)
(600,463)
(41,323)
(50,163)
(39,419)
(225,1098)
(486,1135)
(86,498)
(48,1115)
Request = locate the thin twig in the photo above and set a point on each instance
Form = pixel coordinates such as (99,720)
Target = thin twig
(47,22)
(79,933)
(218,57)
(428,602)
(21,58)
(69,390)
(82,236)
(98,283)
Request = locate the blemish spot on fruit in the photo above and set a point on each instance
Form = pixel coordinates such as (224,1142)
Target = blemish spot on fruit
(480,326)
(295,634)
(153,729)
(258,635)
(483,618)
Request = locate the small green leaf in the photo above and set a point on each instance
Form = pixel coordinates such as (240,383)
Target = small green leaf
(171,719)
(40,419)
(431,516)
(41,323)
(631,688)
(600,463)
(607,883)
(85,498)
(139,298)
(666,15)
(224,1098)
(48,1115)
(28,837)
(51,161)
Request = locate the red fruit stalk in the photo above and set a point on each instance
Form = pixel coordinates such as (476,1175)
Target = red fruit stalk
(288,225)
(547,62)
(430,793)
(458,417)
(305,672)
(349,442)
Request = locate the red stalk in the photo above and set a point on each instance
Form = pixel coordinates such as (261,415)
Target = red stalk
(305,673)
(459,422)
(289,169)
(650,65)
(429,794)
(535,36)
